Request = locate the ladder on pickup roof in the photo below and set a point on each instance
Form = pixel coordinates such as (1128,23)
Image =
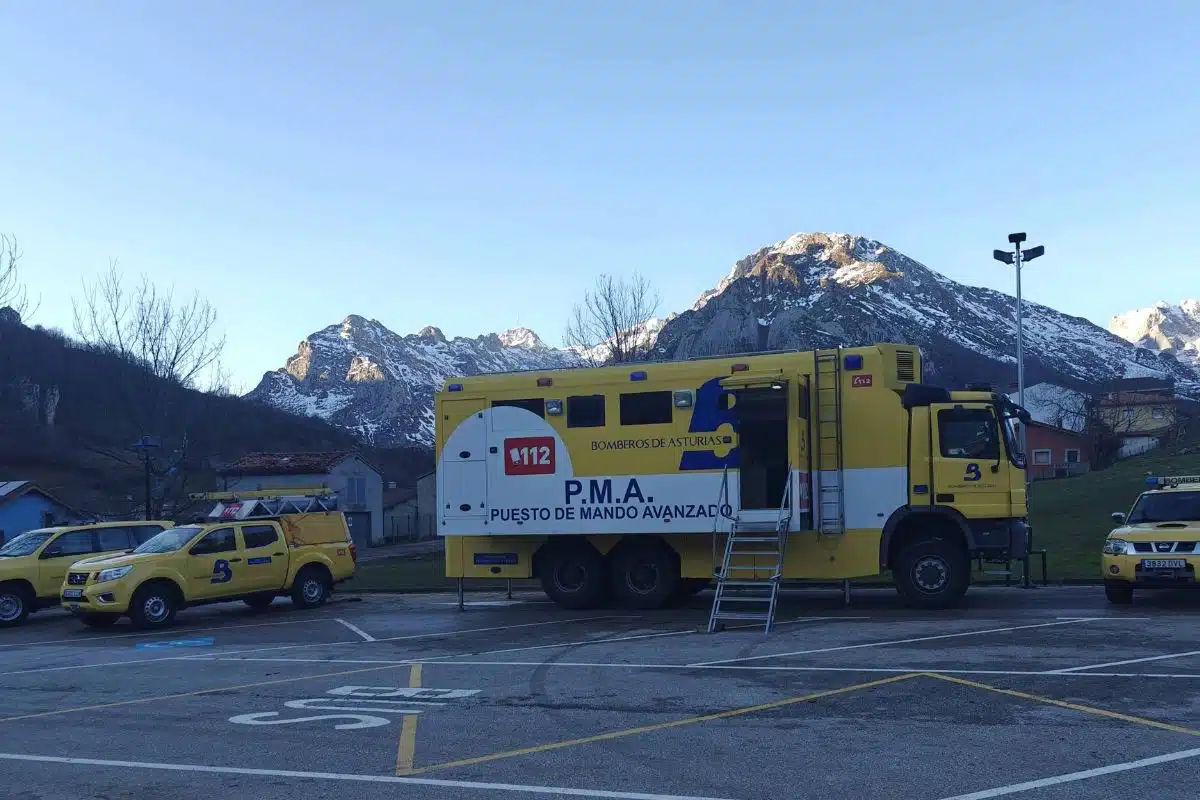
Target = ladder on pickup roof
(269,503)
(830,492)
(748,544)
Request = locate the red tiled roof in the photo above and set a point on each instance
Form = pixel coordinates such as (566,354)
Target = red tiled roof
(285,463)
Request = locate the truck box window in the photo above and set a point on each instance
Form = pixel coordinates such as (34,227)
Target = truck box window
(585,411)
(535,404)
(968,433)
(258,536)
(646,408)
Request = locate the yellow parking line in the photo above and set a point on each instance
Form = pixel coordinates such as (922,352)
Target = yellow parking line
(542,748)
(1166,726)
(408,730)
(198,693)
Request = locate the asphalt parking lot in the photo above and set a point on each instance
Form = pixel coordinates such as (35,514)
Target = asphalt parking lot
(1047,694)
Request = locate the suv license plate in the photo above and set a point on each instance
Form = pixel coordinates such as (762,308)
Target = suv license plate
(1164,563)
(73,594)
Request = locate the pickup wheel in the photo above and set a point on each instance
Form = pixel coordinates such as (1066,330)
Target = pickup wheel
(16,601)
(311,588)
(154,605)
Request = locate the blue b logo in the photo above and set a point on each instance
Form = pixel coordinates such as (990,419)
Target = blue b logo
(221,572)
(973,473)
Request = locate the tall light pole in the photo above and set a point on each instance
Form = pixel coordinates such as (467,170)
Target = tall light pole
(1017,258)
(144,446)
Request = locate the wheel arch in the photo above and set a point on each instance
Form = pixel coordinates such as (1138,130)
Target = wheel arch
(906,522)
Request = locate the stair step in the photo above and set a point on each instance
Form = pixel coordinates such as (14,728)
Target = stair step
(741,615)
(730,598)
(764,583)
(747,568)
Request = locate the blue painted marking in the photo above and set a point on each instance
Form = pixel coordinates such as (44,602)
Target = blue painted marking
(221,572)
(972,473)
(708,417)
(203,642)
(259,560)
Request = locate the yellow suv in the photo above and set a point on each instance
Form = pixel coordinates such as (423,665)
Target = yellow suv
(1158,543)
(34,564)
(240,556)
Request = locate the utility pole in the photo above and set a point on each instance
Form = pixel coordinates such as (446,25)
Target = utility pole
(144,445)
(1017,258)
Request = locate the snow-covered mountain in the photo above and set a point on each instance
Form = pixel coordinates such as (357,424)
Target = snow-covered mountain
(818,289)
(1163,327)
(810,290)
(379,385)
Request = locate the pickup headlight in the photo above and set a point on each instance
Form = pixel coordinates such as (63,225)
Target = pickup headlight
(114,574)
(1117,547)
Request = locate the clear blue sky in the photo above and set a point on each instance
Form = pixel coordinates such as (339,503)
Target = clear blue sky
(469,164)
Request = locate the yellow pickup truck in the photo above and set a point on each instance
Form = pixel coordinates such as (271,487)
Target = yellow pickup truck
(34,564)
(252,559)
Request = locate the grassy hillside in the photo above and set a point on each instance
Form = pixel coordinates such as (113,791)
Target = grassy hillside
(1070,516)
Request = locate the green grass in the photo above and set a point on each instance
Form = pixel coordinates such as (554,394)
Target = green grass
(1070,516)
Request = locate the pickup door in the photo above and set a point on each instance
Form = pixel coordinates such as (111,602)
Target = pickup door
(266,558)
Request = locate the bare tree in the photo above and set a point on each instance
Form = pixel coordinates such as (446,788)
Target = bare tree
(175,342)
(12,292)
(609,326)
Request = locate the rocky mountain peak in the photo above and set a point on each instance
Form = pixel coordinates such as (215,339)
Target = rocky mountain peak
(1163,327)
(521,337)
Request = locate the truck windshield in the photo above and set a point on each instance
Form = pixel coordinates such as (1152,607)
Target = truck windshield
(1166,507)
(168,541)
(25,545)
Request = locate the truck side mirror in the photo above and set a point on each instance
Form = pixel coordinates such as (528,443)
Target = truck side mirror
(1118,517)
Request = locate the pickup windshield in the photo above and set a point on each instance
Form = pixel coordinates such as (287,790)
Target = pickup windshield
(25,545)
(168,541)
(1166,507)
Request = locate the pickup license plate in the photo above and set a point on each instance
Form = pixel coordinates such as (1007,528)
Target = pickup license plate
(72,594)
(1164,563)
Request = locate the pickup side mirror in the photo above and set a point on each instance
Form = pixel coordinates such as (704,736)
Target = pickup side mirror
(1118,517)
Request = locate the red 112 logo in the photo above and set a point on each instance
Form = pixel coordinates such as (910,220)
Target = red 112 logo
(529,455)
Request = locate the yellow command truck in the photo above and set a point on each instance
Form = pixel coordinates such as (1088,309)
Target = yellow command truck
(252,547)
(638,480)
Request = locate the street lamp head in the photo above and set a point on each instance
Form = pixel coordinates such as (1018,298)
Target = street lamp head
(1003,255)
(1016,238)
(1032,253)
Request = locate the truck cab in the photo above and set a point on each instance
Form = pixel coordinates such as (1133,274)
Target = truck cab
(967,491)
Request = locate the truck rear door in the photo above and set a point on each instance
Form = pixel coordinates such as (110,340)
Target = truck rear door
(970,472)
(462,471)
(266,557)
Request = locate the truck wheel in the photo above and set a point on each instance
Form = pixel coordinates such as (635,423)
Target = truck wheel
(154,605)
(1120,594)
(99,620)
(572,574)
(644,576)
(311,588)
(932,573)
(15,604)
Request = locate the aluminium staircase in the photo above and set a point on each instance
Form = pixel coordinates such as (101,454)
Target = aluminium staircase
(748,544)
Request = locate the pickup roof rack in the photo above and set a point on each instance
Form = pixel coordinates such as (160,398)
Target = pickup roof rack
(269,503)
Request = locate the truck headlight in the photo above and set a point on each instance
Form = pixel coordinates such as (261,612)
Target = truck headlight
(114,574)
(1117,547)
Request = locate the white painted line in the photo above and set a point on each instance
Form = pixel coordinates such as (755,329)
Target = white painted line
(35,670)
(729,667)
(1113,618)
(1130,661)
(892,641)
(558,791)
(1071,777)
(366,636)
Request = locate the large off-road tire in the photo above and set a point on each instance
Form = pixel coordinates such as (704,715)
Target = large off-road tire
(572,573)
(312,586)
(643,575)
(932,572)
(16,601)
(154,605)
